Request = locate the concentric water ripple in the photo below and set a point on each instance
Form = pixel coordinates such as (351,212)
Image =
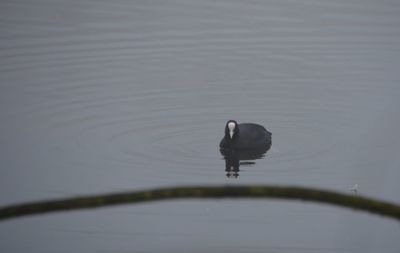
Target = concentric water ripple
(173,131)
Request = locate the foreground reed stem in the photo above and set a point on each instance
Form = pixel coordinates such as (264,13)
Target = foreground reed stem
(204,192)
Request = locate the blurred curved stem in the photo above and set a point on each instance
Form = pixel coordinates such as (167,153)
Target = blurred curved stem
(204,192)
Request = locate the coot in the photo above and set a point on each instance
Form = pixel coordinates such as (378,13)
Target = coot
(245,136)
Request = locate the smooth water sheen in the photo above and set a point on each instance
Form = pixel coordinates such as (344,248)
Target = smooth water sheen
(100,96)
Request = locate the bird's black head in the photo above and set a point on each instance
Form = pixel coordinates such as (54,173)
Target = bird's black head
(231,129)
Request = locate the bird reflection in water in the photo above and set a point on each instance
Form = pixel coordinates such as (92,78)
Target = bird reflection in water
(236,158)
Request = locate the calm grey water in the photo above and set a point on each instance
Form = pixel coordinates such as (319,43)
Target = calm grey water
(99,96)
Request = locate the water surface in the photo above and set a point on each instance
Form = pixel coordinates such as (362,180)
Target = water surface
(99,96)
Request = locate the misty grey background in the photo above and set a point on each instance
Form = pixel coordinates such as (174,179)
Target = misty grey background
(99,96)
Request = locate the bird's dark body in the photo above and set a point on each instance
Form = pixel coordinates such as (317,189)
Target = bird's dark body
(249,136)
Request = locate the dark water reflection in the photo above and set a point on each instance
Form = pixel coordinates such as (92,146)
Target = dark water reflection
(236,158)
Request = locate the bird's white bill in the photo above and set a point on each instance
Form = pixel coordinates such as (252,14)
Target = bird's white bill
(231,127)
